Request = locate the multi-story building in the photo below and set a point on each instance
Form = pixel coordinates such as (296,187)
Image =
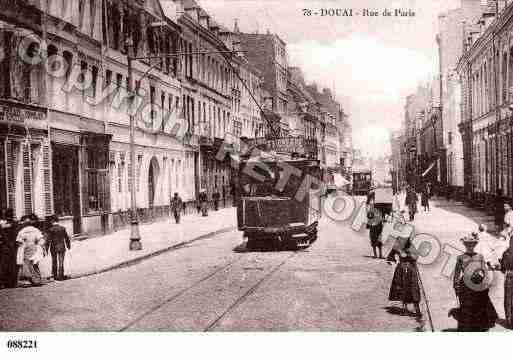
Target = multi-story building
(396,162)
(65,116)
(486,75)
(449,151)
(303,113)
(207,89)
(415,111)
(247,91)
(345,136)
(268,54)
(331,114)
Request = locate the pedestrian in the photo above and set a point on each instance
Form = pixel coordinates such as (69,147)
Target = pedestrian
(203,200)
(500,210)
(198,204)
(405,285)
(8,229)
(411,202)
(5,252)
(30,250)
(57,242)
(507,220)
(375,226)
(476,312)
(429,188)
(507,269)
(176,207)
(424,199)
(224,196)
(216,197)
(371,196)
(491,247)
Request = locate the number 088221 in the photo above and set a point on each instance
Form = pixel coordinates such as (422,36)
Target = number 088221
(22,344)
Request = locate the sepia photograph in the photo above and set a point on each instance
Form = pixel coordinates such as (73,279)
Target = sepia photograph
(255,166)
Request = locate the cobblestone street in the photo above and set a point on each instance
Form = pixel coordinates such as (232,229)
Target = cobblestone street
(214,284)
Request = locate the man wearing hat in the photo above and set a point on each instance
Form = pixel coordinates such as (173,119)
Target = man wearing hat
(57,242)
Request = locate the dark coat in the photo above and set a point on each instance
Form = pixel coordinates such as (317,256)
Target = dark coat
(176,204)
(57,239)
(202,197)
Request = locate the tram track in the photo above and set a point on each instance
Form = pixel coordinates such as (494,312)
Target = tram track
(246,294)
(179,294)
(230,308)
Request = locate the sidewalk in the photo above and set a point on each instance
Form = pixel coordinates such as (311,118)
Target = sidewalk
(100,254)
(448,222)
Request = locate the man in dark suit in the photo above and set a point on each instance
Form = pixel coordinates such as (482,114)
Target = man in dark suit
(57,240)
(216,196)
(177,206)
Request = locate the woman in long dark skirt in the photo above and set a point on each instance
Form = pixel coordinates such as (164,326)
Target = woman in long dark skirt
(507,269)
(405,286)
(476,312)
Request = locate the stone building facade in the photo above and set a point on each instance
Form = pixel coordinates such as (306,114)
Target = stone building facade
(486,75)
(73,160)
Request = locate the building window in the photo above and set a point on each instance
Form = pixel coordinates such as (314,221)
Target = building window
(96,172)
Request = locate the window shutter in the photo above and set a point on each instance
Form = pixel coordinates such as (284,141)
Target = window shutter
(47,178)
(27,177)
(11,158)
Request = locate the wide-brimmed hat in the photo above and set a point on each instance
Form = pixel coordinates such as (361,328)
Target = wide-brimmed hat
(470,239)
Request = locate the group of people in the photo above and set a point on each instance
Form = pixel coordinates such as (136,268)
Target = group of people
(483,253)
(24,244)
(412,199)
(470,281)
(177,205)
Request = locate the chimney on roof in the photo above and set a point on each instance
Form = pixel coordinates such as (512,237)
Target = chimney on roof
(268,32)
(236,26)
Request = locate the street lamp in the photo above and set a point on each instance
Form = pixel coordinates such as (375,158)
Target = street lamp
(135,236)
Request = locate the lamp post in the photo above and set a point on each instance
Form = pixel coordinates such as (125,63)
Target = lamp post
(135,236)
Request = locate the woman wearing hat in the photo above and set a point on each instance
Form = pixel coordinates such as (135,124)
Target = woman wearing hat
(405,286)
(476,312)
(30,249)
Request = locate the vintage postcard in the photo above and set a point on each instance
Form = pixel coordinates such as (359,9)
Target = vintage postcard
(255,166)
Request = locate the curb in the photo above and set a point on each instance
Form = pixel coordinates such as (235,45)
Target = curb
(137,260)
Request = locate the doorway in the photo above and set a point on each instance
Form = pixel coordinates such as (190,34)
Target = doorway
(153,174)
(66,187)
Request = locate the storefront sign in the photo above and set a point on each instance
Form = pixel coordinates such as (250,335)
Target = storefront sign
(280,145)
(19,115)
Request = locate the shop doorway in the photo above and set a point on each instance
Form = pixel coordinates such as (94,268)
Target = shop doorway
(66,187)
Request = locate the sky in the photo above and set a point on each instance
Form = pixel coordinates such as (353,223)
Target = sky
(372,63)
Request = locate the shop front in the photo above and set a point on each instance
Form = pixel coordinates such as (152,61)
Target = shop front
(25,173)
(81,181)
